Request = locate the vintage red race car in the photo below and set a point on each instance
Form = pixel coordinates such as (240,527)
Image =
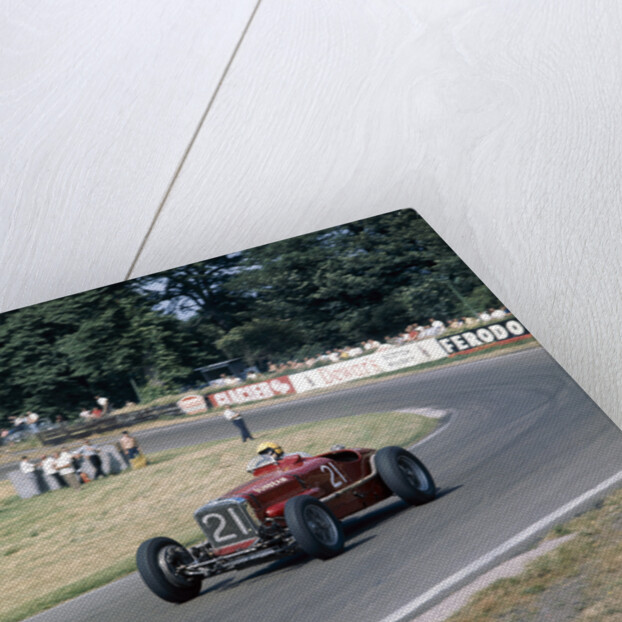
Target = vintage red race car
(292,503)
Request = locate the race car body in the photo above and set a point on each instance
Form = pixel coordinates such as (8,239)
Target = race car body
(291,503)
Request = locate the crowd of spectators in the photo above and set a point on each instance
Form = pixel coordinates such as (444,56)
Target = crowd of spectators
(23,426)
(413,332)
(65,466)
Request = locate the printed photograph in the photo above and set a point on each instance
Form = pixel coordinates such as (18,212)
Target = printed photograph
(342,426)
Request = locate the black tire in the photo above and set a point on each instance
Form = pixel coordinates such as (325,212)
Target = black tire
(156,561)
(315,528)
(405,475)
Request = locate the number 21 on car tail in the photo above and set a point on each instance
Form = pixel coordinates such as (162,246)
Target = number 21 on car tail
(337,478)
(227,521)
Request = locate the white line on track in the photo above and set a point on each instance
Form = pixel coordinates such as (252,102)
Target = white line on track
(431,436)
(417,603)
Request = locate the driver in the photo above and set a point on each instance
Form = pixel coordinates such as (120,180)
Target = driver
(268,448)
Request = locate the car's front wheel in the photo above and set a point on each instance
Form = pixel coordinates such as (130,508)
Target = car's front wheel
(315,528)
(405,475)
(158,561)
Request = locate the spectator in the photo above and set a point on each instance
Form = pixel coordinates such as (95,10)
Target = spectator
(231,415)
(497,313)
(220,381)
(32,419)
(129,445)
(333,356)
(484,316)
(356,351)
(428,331)
(48,465)
(103,403)
(413,331)
(96,413)
(26,467)
(20,422)
(19,425)
(65,466)
(91,453)
(437,326)
(85,414)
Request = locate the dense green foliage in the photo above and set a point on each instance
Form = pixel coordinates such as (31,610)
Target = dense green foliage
(55,357)
(289,299)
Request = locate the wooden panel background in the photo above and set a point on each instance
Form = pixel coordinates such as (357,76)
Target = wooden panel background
(498,121)
(98,102)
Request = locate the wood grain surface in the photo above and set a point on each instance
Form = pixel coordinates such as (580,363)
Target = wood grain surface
(499,122)
(98,102)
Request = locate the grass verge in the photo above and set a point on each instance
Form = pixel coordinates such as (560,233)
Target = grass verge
(49,543)
(581,581)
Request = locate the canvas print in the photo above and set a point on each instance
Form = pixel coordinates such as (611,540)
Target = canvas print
(346,425)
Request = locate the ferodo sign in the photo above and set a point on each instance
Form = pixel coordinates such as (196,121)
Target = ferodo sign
(191,404)
(510,330)
(253,392)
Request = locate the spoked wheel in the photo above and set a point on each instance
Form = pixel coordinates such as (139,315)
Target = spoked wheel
(314,527)
(405,475)
(159,561)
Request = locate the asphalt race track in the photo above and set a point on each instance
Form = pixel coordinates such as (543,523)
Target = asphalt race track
(522,441)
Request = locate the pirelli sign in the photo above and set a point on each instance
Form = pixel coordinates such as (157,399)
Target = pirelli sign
(504,331)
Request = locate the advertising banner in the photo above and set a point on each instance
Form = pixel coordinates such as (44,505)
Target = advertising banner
(409,355)
(510,330)
(337,373)
(253,392)
(191,404)
(388,359)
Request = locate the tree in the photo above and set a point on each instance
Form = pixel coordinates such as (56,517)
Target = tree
(35,375)
(261,339)
(55,357)
(196,289)
(366,279)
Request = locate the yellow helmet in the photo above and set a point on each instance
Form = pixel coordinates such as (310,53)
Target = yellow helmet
(269,446)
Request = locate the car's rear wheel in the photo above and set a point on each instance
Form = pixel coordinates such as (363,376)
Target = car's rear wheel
(158,561)
(315,528)
(405,475)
